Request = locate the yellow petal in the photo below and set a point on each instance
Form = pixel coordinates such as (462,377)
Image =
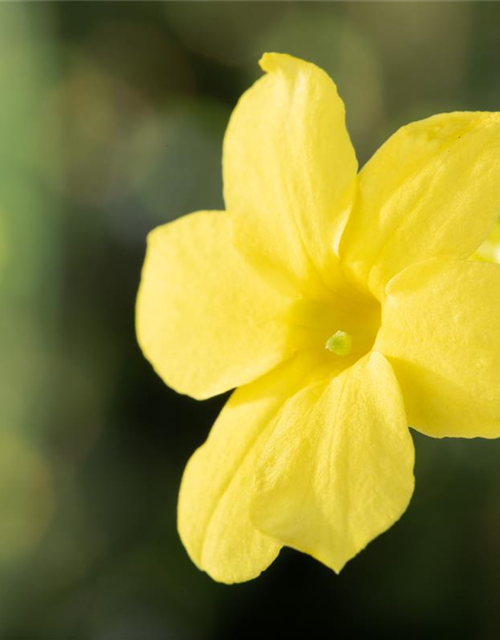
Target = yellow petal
(289,170)
(213,513)
(431,190)
(338,469)
(206,320)
(441,332)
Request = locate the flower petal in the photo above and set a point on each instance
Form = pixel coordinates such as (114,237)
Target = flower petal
(289,170)
(213,513)
(206,320)
(338,469)
(441,332)
(431,190)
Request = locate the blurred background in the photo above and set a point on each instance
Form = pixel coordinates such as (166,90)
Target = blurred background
(111,122)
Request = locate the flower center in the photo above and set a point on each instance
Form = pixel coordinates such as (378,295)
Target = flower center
(340,330)
(340,343)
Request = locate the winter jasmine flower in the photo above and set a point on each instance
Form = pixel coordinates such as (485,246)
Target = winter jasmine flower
(343,308)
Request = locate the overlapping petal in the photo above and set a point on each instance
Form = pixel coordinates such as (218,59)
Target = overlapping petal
(206,320)
(289,172)
(218,482)
(441,332)
(338,468)
(431,190)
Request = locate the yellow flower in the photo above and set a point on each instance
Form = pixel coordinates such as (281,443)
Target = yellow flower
(313,450)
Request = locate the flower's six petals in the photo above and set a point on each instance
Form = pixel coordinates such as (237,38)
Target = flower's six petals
(338,469)
(289,172)
(206,320)
(441,332)
(315,453)
(431,190)
(213,516)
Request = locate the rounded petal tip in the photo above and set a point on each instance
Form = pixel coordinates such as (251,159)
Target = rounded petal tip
(271,61)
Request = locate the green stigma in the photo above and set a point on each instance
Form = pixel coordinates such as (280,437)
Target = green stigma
(340,343)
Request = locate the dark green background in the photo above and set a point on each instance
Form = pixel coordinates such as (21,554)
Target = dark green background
(111,122)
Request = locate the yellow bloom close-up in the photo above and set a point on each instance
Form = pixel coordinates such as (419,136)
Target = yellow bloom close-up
(344,308)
